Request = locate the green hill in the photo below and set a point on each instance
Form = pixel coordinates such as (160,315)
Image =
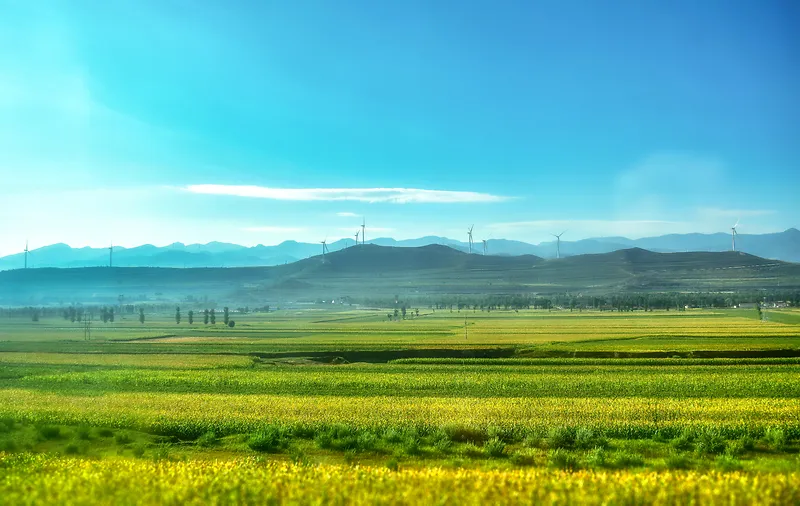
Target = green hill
(372,270)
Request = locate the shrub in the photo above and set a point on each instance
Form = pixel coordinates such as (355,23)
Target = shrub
(562,459)
(597,457)
(162,452)
(324,440)
(366,441)
(532,441)
(709,442)
(270,440)
(560,437)
(138,450)
(775,438)
(464,434)
(735,448)
(678,461)
(122,438)
(586,438)
(495,448)
(71,449)
(411,446)
(8,445)
(392,435)
(727,463)
(208,439)
(298,456)
(105,432)
(83,432)
(392,464)
(628,459)
(522,459)
(684,441)
(50,432)
(472,451)
(747,443)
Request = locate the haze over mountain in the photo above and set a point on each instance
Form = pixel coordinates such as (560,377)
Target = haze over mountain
(783,246)
(419,272)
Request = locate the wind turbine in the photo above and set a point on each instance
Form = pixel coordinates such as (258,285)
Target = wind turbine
(558,243)
(26,253)
(469,232)
(363,229)
(733,235)
(111,254)
(357,232)
(324,249)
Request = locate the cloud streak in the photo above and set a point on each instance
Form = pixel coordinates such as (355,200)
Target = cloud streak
(734,213)
(369,195)
(275,229)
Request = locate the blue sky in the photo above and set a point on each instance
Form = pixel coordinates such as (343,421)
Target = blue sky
(254,122)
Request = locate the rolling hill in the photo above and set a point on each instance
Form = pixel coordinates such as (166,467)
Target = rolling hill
(368,270)
(783,246)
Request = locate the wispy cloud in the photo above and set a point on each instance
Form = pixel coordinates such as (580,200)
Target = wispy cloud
(584,228)
(545,224)
(371,195)
(273,229)
(347,215)
(370,229)
(733,213)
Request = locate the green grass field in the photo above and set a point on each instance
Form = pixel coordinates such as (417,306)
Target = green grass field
(500,392)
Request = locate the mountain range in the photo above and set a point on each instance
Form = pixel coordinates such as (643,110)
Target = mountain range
(360,273)
(783,246)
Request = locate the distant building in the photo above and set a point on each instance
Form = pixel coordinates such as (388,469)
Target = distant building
(747,305)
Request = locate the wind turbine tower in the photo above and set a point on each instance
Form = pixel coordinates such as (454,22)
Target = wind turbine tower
(26,254)
(469,233)
(363,229)
(111,255)
(357,232)
(324,249)
(558,243)
(733,236)
(485,247)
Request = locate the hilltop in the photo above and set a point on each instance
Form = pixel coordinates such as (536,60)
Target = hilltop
(783,246)
(368,270)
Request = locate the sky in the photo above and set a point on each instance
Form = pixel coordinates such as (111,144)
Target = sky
(140,121)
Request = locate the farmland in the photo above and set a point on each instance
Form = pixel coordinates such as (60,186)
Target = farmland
(524,406)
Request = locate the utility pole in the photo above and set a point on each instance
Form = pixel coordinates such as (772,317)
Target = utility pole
(87,326)
(465,327)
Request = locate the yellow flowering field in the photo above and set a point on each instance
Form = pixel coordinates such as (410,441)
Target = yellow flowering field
(28,479)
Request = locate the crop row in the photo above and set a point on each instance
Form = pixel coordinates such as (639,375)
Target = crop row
(51,480)
(404,380)
(194,414)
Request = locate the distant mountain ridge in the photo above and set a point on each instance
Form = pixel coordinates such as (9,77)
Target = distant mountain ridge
(783,246)
(423,272)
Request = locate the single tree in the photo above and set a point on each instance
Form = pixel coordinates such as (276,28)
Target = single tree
(225,317)
(416,311)
(178,315)
(403,309)
(191,317)
(35,315)
(111,315)
(141,315)
(396,313)
(758,309)
(389,316)
(205,317)
(213,317)
(231,323)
